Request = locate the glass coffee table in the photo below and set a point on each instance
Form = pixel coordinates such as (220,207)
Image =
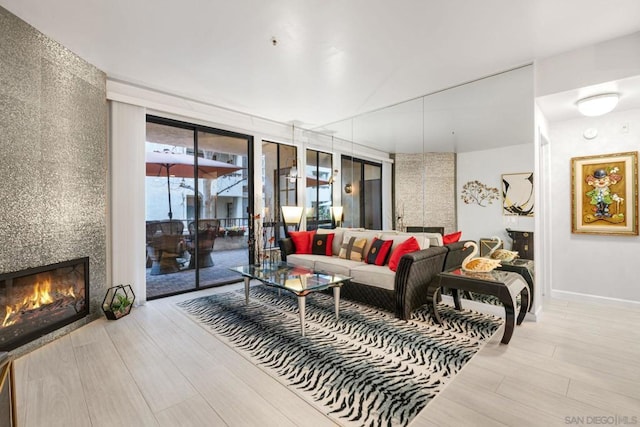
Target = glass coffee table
(297,280)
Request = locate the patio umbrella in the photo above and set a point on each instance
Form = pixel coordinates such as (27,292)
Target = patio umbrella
(181,166)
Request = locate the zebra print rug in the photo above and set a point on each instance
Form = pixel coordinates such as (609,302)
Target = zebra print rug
(367,368)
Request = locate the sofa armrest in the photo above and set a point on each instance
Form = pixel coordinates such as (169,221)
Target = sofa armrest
(455,255)
(415,271)
(286,248)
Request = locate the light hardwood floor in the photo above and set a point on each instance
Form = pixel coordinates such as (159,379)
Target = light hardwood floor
(156,367)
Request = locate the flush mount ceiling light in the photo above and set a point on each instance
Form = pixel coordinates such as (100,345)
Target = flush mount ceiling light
(598,105)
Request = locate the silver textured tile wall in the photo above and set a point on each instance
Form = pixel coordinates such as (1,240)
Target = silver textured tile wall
(53,162)
(425,189)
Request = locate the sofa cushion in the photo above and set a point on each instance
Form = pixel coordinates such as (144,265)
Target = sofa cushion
(435,239)
(408,246)
(399,238)
(338,233)
(336,265)
(379,252)
(374,275)
(321,244)
(353,248)
(302,241)
(425,240)
(304,260)
(363,234)
(447,239)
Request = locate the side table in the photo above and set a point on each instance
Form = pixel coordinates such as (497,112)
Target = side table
(504,285)
(525,268)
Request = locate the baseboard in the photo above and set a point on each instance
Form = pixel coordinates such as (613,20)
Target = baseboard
(576,296)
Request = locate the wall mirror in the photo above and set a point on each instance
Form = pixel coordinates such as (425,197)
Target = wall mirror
(426,134)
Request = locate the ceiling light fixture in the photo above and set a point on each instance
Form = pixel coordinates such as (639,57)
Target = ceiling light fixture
(598,105)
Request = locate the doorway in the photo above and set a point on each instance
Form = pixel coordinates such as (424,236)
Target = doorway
(362,193)
(198,195)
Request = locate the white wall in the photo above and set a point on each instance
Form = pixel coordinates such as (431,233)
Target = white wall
(487,166)
(605,266)
(578,265)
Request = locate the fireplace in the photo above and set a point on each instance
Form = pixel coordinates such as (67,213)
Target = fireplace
(40,300)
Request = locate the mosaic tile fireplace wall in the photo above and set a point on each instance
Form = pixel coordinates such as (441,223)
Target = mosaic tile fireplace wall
(53,159)
(434,203)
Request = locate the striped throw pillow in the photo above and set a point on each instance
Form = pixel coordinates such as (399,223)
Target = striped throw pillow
(353,248)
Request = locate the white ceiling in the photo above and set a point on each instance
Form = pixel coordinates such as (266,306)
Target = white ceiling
(488,113)
(562,106)
(333,59)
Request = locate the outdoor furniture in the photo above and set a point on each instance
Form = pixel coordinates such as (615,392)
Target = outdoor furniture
(165,243)
(207,233)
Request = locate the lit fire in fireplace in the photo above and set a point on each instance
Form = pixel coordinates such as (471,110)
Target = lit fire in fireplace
(41,296)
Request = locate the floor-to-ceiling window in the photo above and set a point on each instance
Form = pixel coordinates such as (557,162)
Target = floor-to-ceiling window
(361,193)
(198,195)
(318,174)
(279,187)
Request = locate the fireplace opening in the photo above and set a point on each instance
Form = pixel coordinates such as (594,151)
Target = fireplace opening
(40,300)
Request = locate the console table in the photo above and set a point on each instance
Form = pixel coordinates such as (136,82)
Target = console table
(504,285)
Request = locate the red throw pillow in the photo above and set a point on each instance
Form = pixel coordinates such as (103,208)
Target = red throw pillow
(409,245)
(321,244)
(451,238)
(302,241)
(379,251)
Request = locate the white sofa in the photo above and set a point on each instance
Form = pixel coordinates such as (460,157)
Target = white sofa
(398,291)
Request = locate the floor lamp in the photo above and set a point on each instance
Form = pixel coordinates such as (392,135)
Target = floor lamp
(291,216)
(336,211)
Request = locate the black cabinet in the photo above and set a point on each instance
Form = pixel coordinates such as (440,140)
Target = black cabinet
(522,242)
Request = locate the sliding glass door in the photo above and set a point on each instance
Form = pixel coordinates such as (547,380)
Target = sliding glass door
(362,193)
(198,195)
(319,195)
(279,187)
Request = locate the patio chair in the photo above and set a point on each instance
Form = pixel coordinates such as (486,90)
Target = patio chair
(165,243)
(207,233)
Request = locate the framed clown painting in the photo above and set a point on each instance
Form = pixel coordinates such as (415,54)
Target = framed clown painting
(604,193)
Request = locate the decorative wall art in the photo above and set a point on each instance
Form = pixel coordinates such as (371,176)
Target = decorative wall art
(604,192)
(517,194)
(475,192)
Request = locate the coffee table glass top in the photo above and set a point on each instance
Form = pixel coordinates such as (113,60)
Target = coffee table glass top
(292,278)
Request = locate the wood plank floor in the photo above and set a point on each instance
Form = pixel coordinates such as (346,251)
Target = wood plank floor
(156,367)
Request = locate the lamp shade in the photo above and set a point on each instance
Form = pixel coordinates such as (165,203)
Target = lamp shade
(336,211)
(598,105)
(292,214)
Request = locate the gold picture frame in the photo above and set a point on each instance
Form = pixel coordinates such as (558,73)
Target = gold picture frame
(604,194)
